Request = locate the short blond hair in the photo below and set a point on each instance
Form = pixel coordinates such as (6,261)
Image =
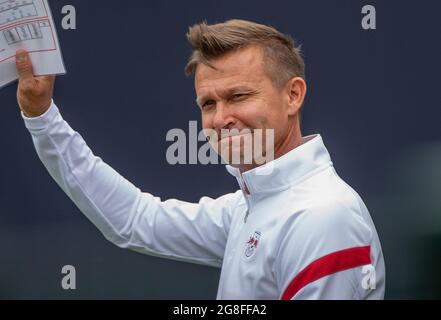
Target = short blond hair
(283,60)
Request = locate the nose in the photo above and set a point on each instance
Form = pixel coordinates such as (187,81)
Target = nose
(223,118)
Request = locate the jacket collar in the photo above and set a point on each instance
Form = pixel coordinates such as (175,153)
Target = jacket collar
(285,171)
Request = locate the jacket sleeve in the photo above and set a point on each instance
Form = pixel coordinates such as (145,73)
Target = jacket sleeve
(192,232)
(325,253)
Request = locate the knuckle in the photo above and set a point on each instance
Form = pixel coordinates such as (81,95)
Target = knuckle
(27,87)
(24,67)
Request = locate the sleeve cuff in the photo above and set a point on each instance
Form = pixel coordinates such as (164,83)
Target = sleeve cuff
(43,121)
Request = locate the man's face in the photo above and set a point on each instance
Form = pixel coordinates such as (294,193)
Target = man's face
(238,94)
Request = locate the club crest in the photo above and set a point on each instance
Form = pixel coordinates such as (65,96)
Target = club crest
(252,244)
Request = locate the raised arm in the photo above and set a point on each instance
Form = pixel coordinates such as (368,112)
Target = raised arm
(193,232)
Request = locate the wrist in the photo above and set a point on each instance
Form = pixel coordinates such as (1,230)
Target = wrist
(29,113)
(32,116)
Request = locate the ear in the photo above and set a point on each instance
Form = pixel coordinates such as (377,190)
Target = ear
(296,91)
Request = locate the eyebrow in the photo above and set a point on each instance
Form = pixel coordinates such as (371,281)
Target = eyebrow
(226,92)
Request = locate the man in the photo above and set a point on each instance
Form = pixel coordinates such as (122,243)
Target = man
(296,231)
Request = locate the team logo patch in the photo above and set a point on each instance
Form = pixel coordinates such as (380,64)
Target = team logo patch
(252,243)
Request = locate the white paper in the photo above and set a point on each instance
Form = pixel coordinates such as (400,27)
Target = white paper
(28,24)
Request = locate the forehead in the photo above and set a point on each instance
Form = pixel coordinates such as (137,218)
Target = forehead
(240,67)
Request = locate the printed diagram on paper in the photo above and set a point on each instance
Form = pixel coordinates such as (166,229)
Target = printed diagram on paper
(28,24)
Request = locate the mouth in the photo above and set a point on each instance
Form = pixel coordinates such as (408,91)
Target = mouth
(235,135)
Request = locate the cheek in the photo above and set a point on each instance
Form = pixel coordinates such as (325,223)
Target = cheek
(261,115)
(274,112)
(206,121)
(252,114)
(269,115)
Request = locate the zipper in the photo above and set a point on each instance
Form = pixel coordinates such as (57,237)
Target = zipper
(246,216)
(249,207)
(245,188)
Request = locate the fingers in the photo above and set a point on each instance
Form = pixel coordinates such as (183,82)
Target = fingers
(24,65)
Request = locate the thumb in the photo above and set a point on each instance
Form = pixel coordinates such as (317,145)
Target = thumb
(24,64)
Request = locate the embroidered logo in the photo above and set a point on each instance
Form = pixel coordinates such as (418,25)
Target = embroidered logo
(251,244)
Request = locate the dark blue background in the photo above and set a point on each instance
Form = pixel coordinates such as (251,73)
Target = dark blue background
(373,95)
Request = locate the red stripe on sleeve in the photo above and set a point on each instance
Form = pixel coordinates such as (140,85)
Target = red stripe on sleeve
(327,265)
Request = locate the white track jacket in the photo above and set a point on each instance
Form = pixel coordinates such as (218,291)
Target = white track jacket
(297,231)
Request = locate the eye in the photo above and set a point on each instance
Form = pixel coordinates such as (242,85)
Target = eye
(207,104)
(239,96)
